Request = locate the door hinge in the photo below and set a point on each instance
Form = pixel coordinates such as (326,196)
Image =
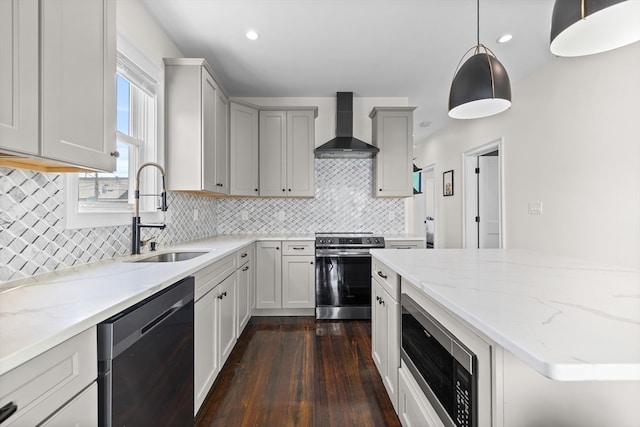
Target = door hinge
(477,170)
(477,219)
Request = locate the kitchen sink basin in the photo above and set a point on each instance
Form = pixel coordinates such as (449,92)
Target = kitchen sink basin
(171,257)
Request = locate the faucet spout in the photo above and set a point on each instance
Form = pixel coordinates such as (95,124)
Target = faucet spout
(136,225)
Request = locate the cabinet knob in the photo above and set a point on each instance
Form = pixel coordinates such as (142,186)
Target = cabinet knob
(255,189)
(289,189)
(115,154)
(277,248)
(379,189)
(283,189)
(311,262)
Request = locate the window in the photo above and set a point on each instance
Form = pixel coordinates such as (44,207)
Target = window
(97,199)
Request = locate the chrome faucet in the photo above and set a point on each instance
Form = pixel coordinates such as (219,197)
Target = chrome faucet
(136,225)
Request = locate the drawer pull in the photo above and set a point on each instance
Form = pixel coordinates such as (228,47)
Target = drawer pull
(298,248)
(244,255)
(7,410)
(382,275)
(245,268)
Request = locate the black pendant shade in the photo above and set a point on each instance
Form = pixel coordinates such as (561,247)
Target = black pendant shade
(585,27)
(480,88)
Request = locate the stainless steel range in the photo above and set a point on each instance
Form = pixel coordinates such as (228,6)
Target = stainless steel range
(343,274)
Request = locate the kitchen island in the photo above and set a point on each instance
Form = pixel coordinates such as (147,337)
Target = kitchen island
(564,333)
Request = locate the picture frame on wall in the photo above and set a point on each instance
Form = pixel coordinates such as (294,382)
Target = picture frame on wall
(447,183)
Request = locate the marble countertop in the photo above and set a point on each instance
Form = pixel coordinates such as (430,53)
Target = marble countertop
(568,319)
(41,312)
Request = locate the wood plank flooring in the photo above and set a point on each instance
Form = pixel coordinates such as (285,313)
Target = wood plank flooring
(302,372)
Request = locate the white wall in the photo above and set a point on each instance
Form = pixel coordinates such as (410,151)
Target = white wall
(572,141)
(139,27)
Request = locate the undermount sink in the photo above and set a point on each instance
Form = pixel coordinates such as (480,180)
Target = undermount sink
(171,257)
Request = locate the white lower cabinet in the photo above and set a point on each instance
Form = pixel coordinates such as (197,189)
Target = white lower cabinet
(81,411)
(246,287)
(58,386)
(385,327)
(413,408)
(214,322)
(285,277)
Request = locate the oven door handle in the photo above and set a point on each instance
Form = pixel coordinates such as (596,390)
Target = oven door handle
(342,253)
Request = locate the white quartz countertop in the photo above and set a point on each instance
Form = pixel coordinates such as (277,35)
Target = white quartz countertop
(39,313)
(569,319)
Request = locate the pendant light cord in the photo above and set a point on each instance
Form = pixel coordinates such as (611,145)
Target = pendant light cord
(478,22)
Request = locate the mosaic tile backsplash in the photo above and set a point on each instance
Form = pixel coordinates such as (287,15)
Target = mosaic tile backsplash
(33,239)
(343,202)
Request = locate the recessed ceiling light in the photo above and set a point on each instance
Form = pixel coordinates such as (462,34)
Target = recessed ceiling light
(504,38)
(252,35)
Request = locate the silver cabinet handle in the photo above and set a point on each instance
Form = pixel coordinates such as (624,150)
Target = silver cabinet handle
(115,154)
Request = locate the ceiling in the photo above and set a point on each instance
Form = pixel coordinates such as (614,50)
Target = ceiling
(374,48)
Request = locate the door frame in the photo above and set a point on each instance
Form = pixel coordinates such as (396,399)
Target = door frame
(497,144)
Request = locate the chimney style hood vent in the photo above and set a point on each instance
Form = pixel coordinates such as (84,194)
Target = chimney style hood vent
(344,145)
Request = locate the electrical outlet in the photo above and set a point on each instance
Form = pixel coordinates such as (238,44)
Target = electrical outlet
(281,215)
(392,215)
(535,208)
(167,217)
(195,214)
(244,215)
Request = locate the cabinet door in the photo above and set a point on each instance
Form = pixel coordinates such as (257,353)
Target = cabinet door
(206,364)
(273,153)
(393,134)
(222,144)
(300,157)
(19,109)
(226,300)
(413,408)
(268,275)
(379,333)
(243,134)
(78,82)
(298,282)
(209,104)
(81,411)
(244,297)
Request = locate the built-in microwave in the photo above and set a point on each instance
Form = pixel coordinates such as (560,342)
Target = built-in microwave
(442,366)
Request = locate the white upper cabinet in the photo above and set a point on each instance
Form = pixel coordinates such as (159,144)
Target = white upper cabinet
(287,141)
(19,76)
(57,91)
(392,133)
(243,135)
(196,129)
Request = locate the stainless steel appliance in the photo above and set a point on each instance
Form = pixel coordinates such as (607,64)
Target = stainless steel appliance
(145,361)
(343,274)
(443,367)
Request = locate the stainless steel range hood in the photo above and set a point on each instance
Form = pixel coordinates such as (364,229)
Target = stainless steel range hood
(344,145)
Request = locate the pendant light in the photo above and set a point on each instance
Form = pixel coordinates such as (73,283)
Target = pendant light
(585,27)
(481,86)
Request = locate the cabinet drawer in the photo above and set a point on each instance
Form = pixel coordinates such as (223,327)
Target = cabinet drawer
(244,255)
(298,247)
(210,276)
(404,244)
(44,384)
(387,278)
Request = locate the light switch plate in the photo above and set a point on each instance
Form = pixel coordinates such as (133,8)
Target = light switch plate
(281,215)
(244,215)
(195,214)
(535,208)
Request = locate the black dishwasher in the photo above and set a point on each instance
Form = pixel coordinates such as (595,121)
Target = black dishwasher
(145,361)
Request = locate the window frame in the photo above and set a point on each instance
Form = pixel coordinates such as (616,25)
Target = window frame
(140,71)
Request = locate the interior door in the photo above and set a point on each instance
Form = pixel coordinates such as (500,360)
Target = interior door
(488,201)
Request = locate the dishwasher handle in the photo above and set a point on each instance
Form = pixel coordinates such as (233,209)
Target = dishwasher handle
(121,331)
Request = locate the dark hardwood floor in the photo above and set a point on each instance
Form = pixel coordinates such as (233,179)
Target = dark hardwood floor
(297,371)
